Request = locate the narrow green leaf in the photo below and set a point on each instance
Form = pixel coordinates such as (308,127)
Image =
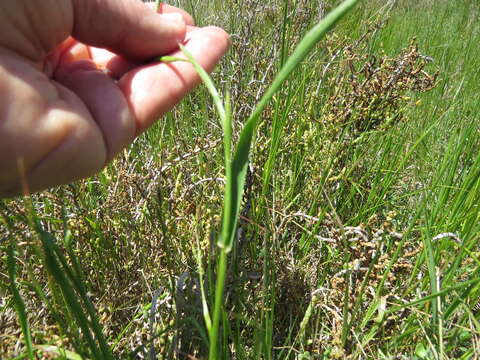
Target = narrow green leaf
(236,169)
(57,273)
(240,160)
(52,349)
(169,59)
(18,301)
(208,83)
(76,279)
(433,296)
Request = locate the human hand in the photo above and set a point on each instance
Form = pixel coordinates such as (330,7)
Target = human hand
(75,87)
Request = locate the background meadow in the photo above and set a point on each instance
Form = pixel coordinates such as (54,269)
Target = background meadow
(360,223)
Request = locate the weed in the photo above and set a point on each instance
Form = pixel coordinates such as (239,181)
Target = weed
(356,238)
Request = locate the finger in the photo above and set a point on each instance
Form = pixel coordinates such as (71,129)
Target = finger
(127,27)
(104,100)
(154,89)
(71,51)
(114,65)
(167,9)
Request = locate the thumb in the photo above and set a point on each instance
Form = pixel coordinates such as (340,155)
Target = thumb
(127,27)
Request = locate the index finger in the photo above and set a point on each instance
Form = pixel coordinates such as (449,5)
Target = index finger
(154,89)
(169,9)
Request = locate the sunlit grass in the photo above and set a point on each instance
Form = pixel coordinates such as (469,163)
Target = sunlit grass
(361,244)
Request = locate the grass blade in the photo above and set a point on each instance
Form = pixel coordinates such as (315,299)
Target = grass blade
(240,159)
(434,295)
(208,83)
(76,278)
(56,272)
(18,301)
(61,353)
(67,285)
(236,169)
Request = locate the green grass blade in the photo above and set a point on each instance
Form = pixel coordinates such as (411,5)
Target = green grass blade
(18,301)
(169,59)
(434,296)
(57,273)
(240,159)
(236,169)
(76,279)
(226,122)
(208,83)
(52,349)
(201,275)
(300,53)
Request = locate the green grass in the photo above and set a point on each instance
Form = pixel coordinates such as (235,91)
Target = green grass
(356,237)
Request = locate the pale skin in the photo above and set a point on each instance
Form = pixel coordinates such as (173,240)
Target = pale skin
(78,83)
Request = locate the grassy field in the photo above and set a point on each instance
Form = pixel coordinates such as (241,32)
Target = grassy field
(359,227)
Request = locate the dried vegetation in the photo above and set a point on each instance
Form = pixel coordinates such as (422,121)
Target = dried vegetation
(137,226)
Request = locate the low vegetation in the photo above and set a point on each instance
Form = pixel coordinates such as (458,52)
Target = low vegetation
(359,226)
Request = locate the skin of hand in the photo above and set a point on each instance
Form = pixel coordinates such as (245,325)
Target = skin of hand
(78,83)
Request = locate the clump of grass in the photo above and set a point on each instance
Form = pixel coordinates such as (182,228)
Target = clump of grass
(236,163)
(310,273)
(366,94)
(371,93)
(18,301)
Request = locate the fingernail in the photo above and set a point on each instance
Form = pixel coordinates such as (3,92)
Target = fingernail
(173,17)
